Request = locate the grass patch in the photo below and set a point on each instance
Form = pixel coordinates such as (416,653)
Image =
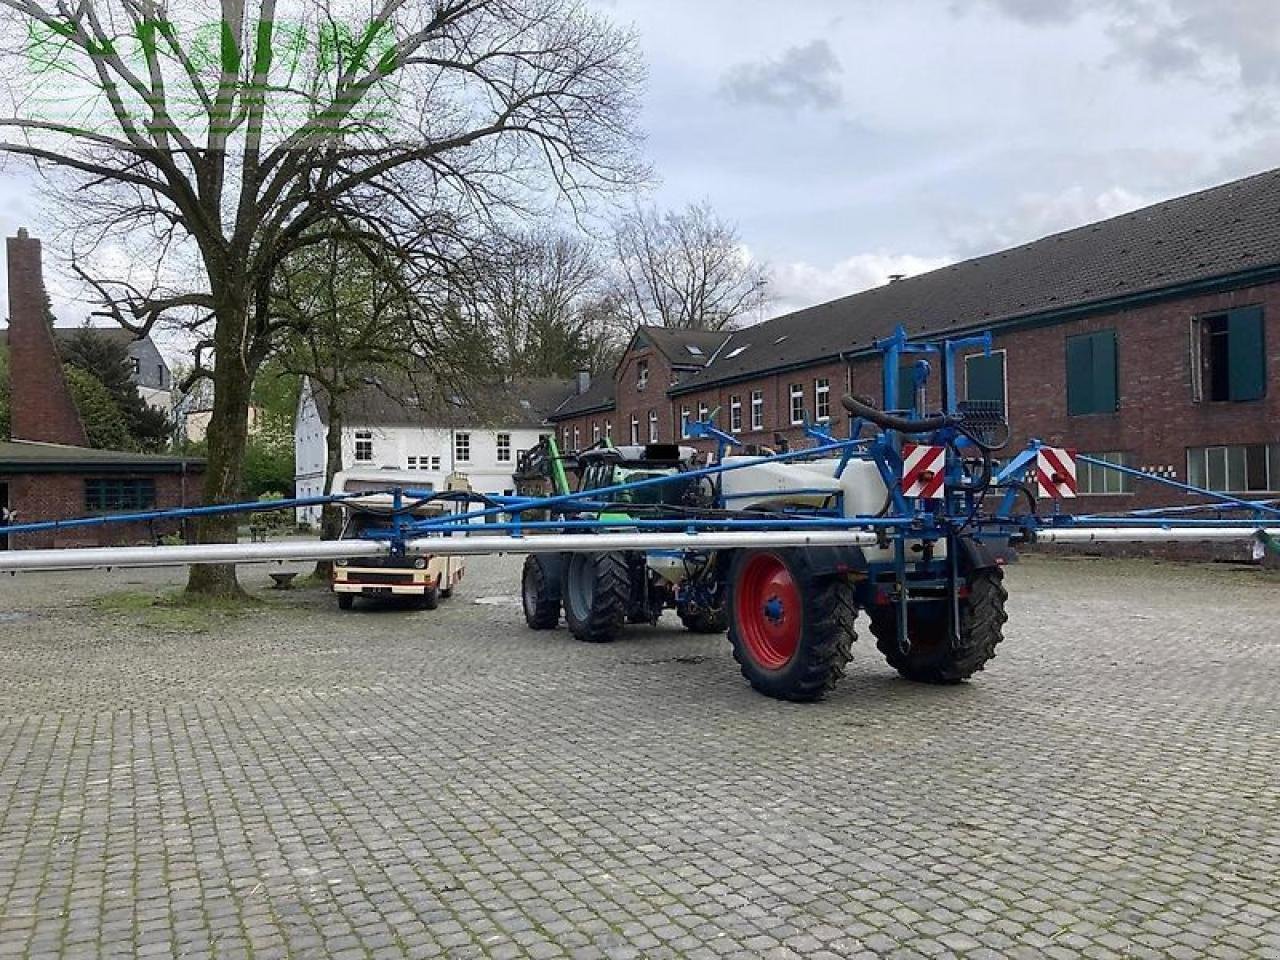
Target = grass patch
(176,610)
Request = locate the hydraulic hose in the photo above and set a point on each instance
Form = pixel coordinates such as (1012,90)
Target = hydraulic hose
(888,421)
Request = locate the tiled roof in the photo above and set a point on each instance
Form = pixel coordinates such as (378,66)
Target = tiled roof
(691,348)
(386,402)
(1227,230)
(25,456)
(599,396)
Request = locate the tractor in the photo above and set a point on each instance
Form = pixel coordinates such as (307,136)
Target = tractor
(935,604)
(602,592)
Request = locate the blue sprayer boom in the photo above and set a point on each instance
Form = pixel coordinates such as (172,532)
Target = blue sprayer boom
(907,519)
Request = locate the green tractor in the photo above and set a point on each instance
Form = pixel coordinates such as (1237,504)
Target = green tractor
(600,593)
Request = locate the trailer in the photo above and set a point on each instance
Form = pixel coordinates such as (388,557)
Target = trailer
(906,520)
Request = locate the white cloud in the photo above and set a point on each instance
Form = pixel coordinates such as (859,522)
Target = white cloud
(798,284)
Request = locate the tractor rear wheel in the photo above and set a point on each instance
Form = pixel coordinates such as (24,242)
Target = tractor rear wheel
(792,628)
(703,620)
(934,656)
(540,591)
(597,595)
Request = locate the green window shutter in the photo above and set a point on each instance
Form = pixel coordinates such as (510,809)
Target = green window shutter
(1246,354)
(1105,389)
(984,378)
(1079,375)
(906,387)
(1092,374)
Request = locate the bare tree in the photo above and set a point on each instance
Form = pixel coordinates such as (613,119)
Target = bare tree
(687,270)
(538,295)
(217,138)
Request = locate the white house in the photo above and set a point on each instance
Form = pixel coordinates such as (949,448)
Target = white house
(388,427)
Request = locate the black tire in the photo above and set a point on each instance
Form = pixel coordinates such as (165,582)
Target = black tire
(809,662)
(540,591)
(430,599)
(934,657)
(704,621)
(346,601)
(597,595)
(446,593)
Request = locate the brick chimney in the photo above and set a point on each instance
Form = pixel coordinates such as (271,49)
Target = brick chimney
(41,407)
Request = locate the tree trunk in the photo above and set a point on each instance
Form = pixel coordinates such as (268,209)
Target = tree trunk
(227,439)
(331,515)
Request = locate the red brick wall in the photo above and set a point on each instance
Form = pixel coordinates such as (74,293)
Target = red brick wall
(40,405)
(1156,423)
(1158,420)
(61,496)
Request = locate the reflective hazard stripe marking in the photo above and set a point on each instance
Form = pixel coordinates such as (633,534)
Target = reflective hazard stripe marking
(1056,473)
(923,471)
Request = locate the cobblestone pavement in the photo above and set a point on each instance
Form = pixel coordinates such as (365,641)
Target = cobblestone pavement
(305,783)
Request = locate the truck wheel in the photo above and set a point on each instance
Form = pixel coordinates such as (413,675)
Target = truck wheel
(597,595)
(791,628)
(346,601)
(540,591)
(934,657)
(430,598)
(704,621)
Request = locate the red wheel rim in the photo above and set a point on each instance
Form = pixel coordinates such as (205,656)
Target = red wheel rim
(768,608)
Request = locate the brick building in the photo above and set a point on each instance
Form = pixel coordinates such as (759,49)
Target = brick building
(47,470)
(1151,339)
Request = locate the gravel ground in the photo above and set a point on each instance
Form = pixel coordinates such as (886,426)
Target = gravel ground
(288,780)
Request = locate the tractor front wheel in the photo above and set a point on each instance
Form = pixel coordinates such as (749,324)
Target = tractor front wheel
(934,656)
(540,591)
(597,595)
(792,628)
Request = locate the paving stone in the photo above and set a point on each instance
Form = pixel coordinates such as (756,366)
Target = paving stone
(302,783)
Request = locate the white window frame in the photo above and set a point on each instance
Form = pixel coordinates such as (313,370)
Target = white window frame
(642,374)
(735,413)
(703,411)
(503,446)
(577,437)
(595,431)
(462,446)
(635,430)
(796,393)
(1224,451)
(1087,474)
(435,463)
(684,421)
(653,426)
(608,431)
(757,409)
(364,445)
(822,399)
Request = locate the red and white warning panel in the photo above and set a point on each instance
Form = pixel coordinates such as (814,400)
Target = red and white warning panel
(923,470)
(1056,473)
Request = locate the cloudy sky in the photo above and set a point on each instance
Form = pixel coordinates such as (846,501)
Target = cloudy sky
(852,139)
